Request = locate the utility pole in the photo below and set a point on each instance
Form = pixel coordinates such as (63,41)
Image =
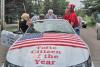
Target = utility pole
(2,14)
(24,7)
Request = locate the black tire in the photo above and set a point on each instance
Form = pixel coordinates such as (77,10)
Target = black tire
(84,26)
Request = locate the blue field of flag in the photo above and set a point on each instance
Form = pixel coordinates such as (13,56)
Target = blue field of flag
(30,36)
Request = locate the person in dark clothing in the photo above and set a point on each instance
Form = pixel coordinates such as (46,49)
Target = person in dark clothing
(22,25)
(25,22)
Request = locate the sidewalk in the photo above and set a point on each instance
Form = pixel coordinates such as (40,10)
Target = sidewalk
(11,27)
(3,51)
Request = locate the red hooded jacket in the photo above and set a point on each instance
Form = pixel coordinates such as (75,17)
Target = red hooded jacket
(71,16)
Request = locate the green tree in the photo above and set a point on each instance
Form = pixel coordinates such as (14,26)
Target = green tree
(58,6)
(92,8)
(63,4)
(41,7)
(0,11)
(92,5)
(14,9)
(47,6)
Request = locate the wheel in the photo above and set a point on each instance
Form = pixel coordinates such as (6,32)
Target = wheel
(98,35)
(84,25)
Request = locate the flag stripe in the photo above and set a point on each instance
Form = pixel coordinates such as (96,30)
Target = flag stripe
(47,39)
(50,43)
(29,45)
(65,41)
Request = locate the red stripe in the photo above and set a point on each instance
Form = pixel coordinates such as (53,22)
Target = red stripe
(57,34)
(19,47)
(49,43)
(48,38)
(64,41)
(61,35)
(67,39)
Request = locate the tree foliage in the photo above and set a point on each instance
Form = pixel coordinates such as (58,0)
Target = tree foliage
(14,9)
(47,6)
(0,10)
(91,9)
(58,6)
(92,5)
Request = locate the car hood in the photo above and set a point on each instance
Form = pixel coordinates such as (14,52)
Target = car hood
(48,49)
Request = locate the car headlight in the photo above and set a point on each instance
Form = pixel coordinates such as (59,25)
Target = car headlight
(7,64)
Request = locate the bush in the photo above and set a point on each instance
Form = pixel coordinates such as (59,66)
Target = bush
(90,20)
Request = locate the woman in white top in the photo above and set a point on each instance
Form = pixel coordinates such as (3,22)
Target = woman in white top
(50,15)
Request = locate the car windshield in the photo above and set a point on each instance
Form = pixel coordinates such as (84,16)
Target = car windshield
(55,26)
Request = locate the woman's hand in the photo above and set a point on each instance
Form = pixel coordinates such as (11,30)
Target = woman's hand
(72,24)
(29,23)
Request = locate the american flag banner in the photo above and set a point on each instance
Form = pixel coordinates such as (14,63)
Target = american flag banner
(57,39)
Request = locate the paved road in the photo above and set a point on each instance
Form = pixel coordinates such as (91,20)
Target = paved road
(89,36)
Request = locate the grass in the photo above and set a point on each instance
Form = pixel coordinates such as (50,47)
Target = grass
(12,28)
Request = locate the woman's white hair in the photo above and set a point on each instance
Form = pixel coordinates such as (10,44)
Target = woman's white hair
(50,10)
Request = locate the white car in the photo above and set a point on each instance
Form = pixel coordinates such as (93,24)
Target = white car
(98,30)
(51,43)
(98,26)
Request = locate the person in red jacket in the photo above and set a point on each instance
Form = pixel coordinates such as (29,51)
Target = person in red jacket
(71,16)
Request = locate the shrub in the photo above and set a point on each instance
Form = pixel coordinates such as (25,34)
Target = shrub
(90,20)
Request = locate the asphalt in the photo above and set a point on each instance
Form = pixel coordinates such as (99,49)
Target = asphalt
(89,36)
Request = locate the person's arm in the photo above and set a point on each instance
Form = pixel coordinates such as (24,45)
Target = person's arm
(74,20)
(46,16)
(29,23)
(55,16)
(20,26)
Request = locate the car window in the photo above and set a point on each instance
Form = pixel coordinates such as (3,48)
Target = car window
(98,18)
(57,26)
